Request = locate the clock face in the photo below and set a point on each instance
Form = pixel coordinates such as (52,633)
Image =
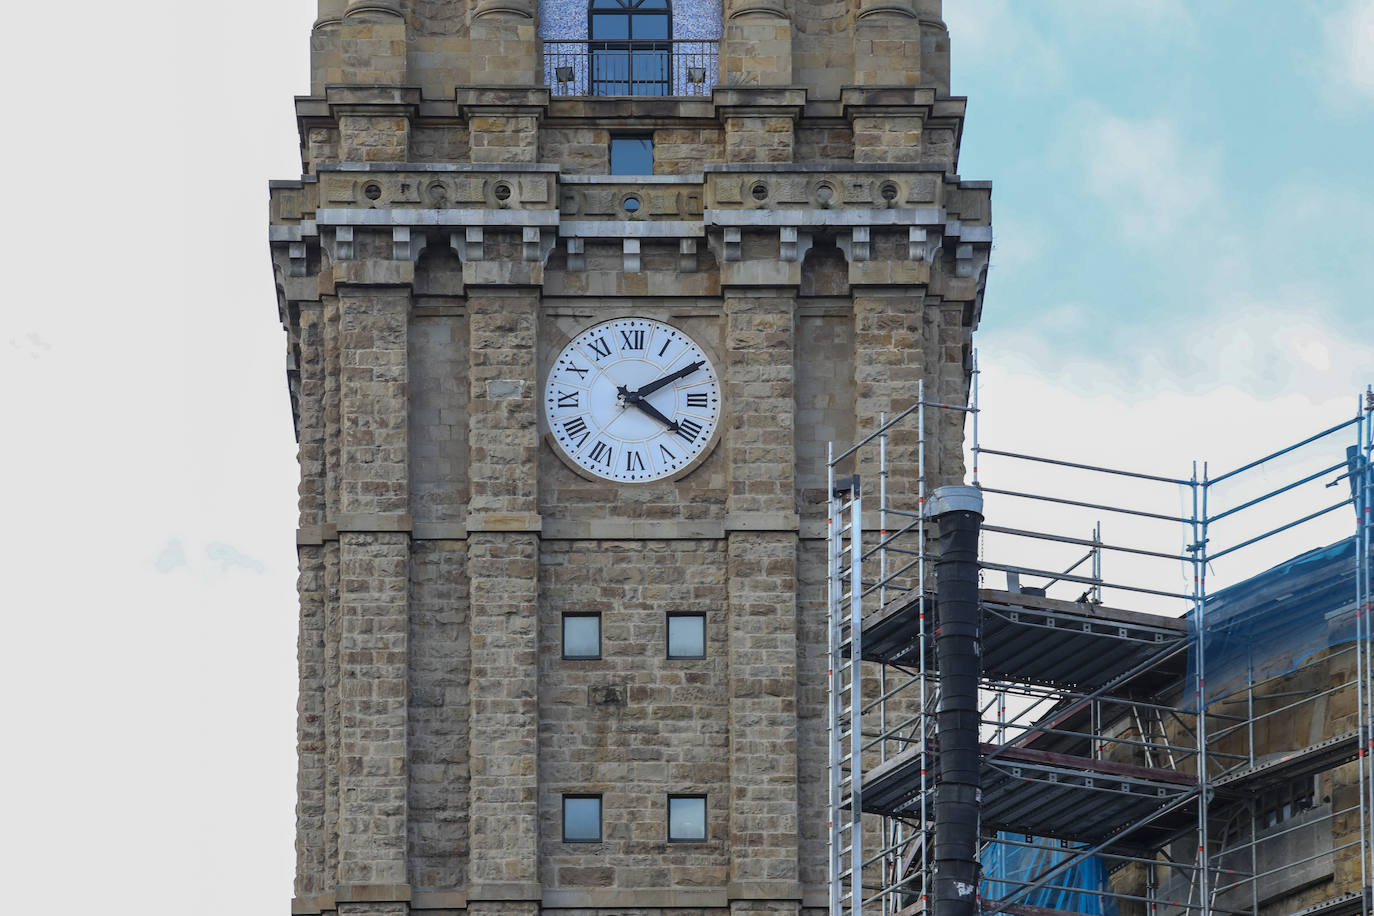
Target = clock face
(632,400)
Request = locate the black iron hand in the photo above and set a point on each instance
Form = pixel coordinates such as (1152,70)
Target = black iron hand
(634,398)
(673,377)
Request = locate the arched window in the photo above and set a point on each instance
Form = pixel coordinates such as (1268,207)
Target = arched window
(631,46)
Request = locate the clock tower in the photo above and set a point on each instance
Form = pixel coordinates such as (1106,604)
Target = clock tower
(576,294)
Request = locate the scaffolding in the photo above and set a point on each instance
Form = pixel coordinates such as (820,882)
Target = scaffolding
(1106,740)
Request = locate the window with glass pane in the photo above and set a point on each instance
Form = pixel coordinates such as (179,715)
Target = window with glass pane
(686,635)
(686,817)
(581,635)
(582,818)
(632,156)
(630,46)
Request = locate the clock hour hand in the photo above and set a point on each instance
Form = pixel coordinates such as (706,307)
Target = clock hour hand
(634,398)
(667,379)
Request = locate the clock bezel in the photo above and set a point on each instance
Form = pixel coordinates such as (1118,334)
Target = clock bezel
(550,353)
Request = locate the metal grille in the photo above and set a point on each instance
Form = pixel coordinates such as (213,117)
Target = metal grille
(631,68)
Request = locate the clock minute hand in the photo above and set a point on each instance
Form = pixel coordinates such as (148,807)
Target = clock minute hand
(652,411)
(671,377)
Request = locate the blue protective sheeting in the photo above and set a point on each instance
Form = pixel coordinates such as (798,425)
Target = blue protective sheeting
(1004,863)
(1273,622)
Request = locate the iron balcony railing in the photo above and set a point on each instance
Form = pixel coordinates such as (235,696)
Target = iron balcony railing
(631,67)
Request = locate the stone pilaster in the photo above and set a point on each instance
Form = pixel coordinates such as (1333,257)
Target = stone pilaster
(759,123)
(312,872)
(372,44)
(503,123)
(326,63)
(890,358)
(374,572)
(503,47)
(934,46)
(756,49)
(503,569)
(762,581)
(887,44)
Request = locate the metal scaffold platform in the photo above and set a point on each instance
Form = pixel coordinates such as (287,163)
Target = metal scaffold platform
(1152,742)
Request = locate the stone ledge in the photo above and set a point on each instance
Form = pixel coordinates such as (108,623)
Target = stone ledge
(631,180)
(439,531)
(437,167)
(372,893)
(761,521)
(506,890)
(438,900)
(464,217)
(370,523)
(632,229)
(314,535)
(504,522)
(620,898)
(632,530)
(764,890)
(826,167)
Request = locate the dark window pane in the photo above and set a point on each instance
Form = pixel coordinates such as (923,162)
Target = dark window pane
(581,819)
(581,636)
(686,817)
(687,636)
(651,26)
(610,26)
(632,156)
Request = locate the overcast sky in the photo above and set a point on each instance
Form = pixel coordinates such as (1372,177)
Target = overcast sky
(1182,205)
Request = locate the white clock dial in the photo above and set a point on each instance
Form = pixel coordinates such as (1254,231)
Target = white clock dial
(632,399)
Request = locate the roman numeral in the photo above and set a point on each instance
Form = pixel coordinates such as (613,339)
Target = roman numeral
(634,461)
(581,373)
(576,428)
(666,344)
(601,453)
(696,400)
(569,398)
(632,340)
(667,452)
(688,429)
(600,347)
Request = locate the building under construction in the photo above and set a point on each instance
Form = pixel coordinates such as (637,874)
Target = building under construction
(1076,688)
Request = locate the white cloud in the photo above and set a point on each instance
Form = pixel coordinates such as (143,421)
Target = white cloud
(1145,171)
(992,30)
(1348,61)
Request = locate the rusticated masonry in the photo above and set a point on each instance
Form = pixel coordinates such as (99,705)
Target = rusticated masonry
(791,203)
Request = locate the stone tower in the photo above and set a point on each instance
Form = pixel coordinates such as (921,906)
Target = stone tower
(535,673)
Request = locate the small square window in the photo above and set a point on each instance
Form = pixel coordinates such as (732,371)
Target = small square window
(632,156)
(686,635)
(581,818)
(581,635)
(686,818)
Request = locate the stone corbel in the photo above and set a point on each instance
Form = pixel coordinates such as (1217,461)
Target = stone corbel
(577,254)
(407,245)
(343,243)
(467,244)
(538,243)
(632,265)
(970,260)
(733,244)
(296,254)
(793,244)
(923,244)
(687,256)
(856,247)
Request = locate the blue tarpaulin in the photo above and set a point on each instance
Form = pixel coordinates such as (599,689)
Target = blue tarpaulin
(1007,867)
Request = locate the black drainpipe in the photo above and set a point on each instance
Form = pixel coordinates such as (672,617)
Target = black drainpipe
(958,651)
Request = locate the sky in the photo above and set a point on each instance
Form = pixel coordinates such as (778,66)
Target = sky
(1183,213)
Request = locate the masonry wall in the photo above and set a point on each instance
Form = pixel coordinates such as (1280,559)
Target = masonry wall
(453,228)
